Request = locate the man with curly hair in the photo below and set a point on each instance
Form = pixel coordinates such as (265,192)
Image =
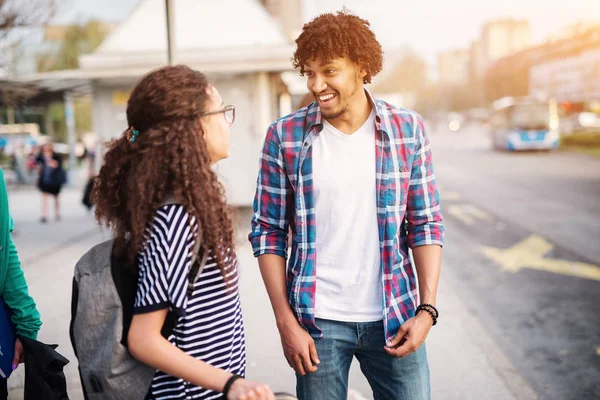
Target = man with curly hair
(352,177)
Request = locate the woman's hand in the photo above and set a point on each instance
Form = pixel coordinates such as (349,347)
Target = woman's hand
(19,356)
(243,389)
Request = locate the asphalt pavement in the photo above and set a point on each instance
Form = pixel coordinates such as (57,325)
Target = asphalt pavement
(522,246)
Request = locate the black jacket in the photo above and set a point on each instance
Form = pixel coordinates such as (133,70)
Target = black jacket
(44,376)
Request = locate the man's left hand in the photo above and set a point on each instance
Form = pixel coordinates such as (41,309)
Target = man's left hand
(410,336)
(19,356)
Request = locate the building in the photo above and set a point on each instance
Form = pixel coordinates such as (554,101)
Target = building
(287,14)
(570,73)
(567,70)
(454,67)
(504,37)
(237,43)
(477,61)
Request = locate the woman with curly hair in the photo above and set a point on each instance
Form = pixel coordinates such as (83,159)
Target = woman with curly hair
(345,172)
(159,195)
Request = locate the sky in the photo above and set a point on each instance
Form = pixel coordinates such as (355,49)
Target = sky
(426,26)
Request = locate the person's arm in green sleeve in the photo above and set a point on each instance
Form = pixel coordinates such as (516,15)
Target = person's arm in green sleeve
(25,315)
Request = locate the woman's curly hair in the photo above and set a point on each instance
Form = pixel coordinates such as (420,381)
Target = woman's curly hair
(168,157)
(336,35)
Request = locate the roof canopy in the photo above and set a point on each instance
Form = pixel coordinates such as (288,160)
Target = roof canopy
(216,33)
(199,25)
(224,36)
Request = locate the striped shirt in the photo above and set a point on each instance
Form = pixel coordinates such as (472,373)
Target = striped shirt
(209,325)
(405,190)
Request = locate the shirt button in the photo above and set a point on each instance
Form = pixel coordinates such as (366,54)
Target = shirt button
(0,247)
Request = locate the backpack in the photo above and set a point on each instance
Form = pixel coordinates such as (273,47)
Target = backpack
(8,336)
(102,301)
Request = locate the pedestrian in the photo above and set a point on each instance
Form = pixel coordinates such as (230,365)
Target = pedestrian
(15,166)
(90,158)
(344,173)
(51,179)
(31,160)
(159,194)
(14,295)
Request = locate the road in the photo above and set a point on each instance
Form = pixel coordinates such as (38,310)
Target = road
(523,246)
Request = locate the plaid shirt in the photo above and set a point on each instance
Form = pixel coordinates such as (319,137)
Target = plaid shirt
(408,207)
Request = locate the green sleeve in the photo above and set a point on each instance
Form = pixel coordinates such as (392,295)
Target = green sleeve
(25,317)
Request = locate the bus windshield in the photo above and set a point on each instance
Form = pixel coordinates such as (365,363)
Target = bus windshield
(529,116)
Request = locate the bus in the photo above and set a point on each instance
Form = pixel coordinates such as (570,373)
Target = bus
(524,123)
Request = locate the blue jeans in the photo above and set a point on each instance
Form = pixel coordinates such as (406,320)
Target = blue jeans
(390,377)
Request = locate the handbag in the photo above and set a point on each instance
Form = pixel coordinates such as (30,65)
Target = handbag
(8,338)
(59,176)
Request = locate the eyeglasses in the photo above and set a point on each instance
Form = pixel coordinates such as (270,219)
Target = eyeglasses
(228,113)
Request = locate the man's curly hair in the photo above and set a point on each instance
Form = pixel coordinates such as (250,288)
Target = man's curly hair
(168,157)
(336,35)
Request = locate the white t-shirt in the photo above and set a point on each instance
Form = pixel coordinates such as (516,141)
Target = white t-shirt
(349,283)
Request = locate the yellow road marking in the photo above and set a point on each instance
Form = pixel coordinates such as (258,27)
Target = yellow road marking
(530,253)
(469,214)
(598,350)
(480,214)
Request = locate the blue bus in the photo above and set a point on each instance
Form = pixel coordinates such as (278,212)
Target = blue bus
(524,123)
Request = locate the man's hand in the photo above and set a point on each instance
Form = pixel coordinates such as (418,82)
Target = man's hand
(299,348)
(19,356)
(243,389)
(410,336)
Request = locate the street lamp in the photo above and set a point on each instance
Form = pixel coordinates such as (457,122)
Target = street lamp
(170,31)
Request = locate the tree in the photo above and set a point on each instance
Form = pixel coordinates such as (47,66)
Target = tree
(83,118)
(409,74)
(77,40)
(17,18)
(16,14)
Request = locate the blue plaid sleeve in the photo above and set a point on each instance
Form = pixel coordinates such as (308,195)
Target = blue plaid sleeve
(423,209)
(272,201)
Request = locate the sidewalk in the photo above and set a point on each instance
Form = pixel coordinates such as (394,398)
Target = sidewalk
(48,253)
(464,360)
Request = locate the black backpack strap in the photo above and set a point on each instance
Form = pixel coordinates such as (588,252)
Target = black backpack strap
(74,302)
(125,280)
(199,260)
(196,269)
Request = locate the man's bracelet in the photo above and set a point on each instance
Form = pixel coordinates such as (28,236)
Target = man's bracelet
(228,384)
(432,307)
(424,307)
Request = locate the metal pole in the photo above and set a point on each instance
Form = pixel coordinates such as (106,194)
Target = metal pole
(170,31)
(70,122)
(10,114)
